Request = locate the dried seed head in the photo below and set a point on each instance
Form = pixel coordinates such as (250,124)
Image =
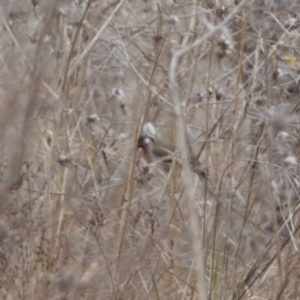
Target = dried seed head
(276,119)
(290,160)
(282,135)
(62,8)
(157,38)
(201,96)
(279,118)
(93,118)
(117,92)
(224,46)
(172,19)
(115,43)
(65,159)
(260,102)
(219,94)
(221,10)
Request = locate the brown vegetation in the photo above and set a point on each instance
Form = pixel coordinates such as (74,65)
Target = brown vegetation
(84,215)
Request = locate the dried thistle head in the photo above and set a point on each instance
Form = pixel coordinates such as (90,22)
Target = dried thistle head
(279,118)
(221,10)
(172,19)
(290,160)
(117,92)
(224,46)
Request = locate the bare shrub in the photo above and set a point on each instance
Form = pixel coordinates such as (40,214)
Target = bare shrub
(88,214)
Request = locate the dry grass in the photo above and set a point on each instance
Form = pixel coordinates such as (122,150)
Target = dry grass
(84,215)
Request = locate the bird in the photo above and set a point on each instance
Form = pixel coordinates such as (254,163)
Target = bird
(152,152)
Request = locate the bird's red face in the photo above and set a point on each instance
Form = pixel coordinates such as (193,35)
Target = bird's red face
(143,144)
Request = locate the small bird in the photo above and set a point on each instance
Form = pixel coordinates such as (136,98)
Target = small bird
(152,152)
(146,144)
